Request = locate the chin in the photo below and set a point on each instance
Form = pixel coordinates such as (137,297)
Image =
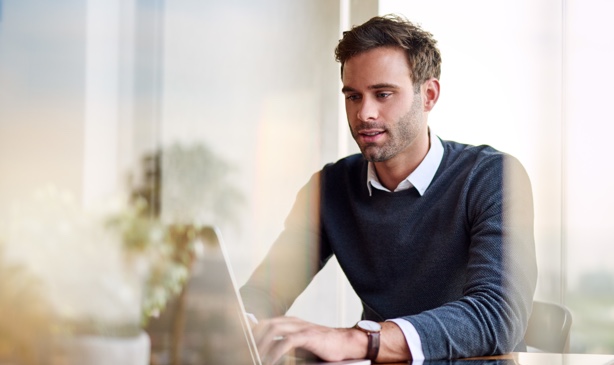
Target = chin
(376,153)
(375,158)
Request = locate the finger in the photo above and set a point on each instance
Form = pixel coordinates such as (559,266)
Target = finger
(270,349)
(276,327)
(278,350)
(271,335)
(251,320)
(265,335)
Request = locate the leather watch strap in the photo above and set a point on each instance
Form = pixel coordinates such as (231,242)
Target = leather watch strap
(372,345)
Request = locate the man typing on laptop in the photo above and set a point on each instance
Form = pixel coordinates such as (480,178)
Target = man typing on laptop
(435,237)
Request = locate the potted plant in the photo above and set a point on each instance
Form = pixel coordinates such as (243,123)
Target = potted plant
(103,273)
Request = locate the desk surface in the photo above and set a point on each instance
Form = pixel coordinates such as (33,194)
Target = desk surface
(531,358)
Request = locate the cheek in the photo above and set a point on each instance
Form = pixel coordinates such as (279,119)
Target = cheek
(350,111)
(399,110)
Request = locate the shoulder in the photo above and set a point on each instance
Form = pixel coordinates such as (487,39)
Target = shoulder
(349,173)
(352,161)
(478,159)
(480,167)
(455,151)
(486,172)
(349,166)
(339,173)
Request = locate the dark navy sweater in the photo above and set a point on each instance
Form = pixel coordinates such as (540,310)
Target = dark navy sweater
(457,262)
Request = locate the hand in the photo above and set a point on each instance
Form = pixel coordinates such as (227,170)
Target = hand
(279,336)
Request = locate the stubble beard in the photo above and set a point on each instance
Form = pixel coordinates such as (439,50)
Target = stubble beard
(400,135)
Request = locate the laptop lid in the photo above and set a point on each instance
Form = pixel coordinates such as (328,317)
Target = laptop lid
(207,323)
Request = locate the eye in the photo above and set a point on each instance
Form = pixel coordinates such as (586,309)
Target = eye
(383,95)
(352,97)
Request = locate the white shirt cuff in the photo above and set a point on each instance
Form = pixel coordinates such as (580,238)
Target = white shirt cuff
(251,318)
(412,338)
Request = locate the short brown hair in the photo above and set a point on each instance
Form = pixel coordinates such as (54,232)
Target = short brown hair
(393,31)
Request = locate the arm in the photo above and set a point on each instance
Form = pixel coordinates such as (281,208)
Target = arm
(294,258)
(490,318)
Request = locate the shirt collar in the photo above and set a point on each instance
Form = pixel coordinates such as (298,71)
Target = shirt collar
(420,178)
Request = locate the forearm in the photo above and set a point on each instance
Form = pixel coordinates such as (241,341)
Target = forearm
(393,345)
(278,336)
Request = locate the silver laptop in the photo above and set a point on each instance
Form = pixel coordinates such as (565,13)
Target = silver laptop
(206,324)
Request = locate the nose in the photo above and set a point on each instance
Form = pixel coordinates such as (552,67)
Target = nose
(367,110)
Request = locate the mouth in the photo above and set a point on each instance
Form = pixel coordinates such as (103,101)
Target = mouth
(371,135)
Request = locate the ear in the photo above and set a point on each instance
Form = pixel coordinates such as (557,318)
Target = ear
(430,93)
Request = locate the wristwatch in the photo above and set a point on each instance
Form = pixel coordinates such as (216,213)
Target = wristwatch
(372,329)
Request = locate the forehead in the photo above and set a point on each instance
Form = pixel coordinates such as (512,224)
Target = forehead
(376,66)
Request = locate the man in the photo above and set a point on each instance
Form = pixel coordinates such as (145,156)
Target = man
(436,237)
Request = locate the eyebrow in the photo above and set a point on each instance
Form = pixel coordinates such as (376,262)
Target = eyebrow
(383,85)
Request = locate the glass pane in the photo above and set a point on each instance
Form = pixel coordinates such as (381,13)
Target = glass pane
(589,174)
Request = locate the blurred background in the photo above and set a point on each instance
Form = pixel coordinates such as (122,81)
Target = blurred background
(222,110)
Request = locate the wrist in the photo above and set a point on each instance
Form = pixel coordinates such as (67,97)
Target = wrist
(372,330)
(358,343)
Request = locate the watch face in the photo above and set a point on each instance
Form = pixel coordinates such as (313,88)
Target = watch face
(369,326)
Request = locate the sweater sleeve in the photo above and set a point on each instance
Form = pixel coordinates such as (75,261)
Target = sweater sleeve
(293,260)
(491,316)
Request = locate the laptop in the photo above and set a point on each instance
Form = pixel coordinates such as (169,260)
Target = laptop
(206,324)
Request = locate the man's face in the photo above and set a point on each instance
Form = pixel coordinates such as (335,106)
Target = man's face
(384,113)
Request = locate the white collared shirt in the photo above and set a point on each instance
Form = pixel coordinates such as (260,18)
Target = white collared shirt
(420,178)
